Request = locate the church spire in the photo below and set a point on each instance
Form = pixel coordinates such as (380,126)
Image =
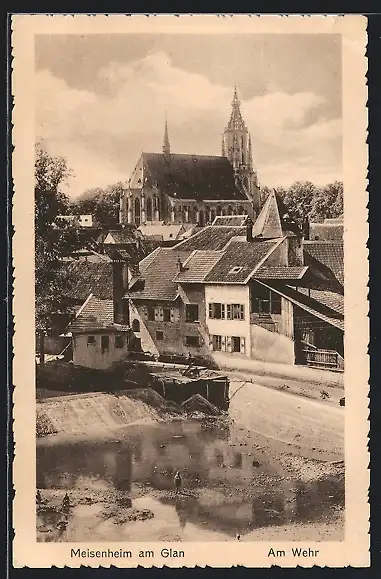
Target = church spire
(236,120)
(166,145)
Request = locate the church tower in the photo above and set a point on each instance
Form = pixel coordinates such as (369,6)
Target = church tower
(236,146)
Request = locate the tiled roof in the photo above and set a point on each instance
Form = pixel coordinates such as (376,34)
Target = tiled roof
(329,253)
(198,177)
(230,220)
(332,300)
(95,314)
(327,231)
(211,238)
(166,232)
(197,266)
(241,255)
(156,279)
(280,272)
(309,304)
(90,277)
(122,236)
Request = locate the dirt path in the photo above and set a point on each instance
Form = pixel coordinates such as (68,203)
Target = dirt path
(309,427)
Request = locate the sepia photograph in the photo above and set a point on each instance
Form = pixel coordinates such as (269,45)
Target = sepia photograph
(189,290)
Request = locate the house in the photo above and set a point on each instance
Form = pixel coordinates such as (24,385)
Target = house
(254,291)
(183,188)
(97,340)
(100,329)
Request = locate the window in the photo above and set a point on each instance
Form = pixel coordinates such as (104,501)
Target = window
(234,312)
(135,325)
(105,343)
(237,461)
(217,311)
(91,340)
(166,314)
(191,313)
(151,313)
(236,344)
(236,269)
(192,341)
(216,343)
(264,301)
(119,341)
(159,336)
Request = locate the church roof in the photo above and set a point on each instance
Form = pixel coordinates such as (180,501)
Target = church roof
(273,220)
(198,177)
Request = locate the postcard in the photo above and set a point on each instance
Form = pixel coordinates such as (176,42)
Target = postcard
(190,294)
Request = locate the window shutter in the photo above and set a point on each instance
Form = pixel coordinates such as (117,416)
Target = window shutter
(228,344)
(242,312)
(229,311)
(172,315)
(211,343)
(211,310)
(222,311)
(242,346)
(223,344)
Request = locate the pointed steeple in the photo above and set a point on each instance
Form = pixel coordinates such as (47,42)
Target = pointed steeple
(223,153)
(166,145)
(236,120)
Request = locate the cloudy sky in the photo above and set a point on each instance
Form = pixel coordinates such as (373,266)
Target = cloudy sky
(102,99)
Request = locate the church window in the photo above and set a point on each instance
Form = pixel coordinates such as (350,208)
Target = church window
(230,210)
(223,211)
(212,215)
(149,209)
(240,210)
(137,211)
(218,209)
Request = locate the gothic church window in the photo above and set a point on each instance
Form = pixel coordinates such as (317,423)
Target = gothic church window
(149,209)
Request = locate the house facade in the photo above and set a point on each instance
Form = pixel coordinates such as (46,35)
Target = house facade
(252,291)
(193,189)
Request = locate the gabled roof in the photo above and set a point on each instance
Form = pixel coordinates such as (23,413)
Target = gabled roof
(211,238)
(239,261)
(95,314)
(121,236)
(329,253)
(156,276)
(238,220)
(197,266)
(89,277)
(273,220)
(197,177)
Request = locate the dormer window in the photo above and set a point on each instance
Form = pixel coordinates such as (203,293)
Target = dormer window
(236,269)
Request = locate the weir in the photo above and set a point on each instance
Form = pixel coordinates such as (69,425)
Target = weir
(95,411)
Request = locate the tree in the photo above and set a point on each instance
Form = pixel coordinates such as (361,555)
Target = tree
(102,204)
(299,198)
(328,202)
(52,242)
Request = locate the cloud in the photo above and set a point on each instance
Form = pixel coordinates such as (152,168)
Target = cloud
(102,132)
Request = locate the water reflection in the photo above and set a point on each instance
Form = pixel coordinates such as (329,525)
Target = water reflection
(227,486)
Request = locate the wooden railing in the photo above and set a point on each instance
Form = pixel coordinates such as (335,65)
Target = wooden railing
(328,359)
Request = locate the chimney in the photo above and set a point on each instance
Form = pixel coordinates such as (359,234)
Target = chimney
(180,265)
(249,230)
(306,228)
(120,279)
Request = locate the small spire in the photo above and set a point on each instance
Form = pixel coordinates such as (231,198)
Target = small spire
(250,152)
(223,147)
(235,101)
(166,145)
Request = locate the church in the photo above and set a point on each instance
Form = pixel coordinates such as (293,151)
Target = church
(193,189)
